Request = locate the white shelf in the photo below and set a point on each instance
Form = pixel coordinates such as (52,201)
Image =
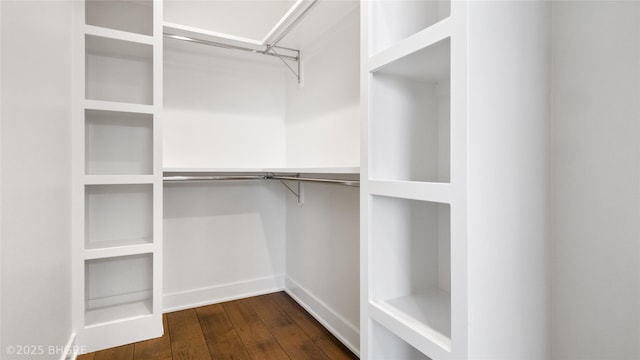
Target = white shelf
(213,170)
(118,179)
(414,190)
(118,48)
(429,63)
(319,170)
(118,106)
(426,339)
(410,45)
(118,35)
(429,313)
(386,345)
(119,312)
(116,248)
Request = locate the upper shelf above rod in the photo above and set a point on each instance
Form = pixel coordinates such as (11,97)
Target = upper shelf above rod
(268,46)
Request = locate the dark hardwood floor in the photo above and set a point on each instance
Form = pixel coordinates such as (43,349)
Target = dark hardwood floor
(269,327)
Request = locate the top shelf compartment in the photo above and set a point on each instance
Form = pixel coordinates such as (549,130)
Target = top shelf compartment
(130,16)
(393,21)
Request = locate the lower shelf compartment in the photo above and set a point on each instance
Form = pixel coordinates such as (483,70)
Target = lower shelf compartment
(427,314)
(118,288)
(431,310)
(118,312)
(385,345)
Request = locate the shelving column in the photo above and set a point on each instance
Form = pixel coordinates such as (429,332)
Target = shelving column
(117,172)
(413,183)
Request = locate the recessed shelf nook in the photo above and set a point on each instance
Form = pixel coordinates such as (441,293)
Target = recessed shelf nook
(411,264)
(410,117)
(117,215)
(135,16)
(118,70)
(118,143)
(118,288)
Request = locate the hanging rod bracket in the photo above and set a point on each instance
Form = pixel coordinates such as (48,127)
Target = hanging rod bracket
(271,50)
(299,194)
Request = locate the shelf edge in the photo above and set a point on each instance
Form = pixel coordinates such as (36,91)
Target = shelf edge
(412,190)
(415,337)
(416,42)
(118,179)
(89,104)
(118,35)
(116,251)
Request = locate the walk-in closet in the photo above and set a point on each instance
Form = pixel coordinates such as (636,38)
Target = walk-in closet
(258,129)
(399,179)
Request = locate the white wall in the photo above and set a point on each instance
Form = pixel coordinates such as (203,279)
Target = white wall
(323,130)
(222,241)
(35,130)
(595,177)
(508,246)
(222,108)
(323,123)
(322,256)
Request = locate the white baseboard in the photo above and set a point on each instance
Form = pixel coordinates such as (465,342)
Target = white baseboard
(216,294)
(342,329)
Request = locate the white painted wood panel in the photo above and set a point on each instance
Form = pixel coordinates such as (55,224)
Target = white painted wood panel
(509,265)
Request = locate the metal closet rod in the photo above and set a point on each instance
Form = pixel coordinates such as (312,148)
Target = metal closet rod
(235,47)
(260,177)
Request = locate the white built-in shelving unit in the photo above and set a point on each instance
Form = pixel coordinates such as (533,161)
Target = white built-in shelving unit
(453,187)
(117,172)
(412,192)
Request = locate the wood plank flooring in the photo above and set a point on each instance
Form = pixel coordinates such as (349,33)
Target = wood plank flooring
(266,327)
